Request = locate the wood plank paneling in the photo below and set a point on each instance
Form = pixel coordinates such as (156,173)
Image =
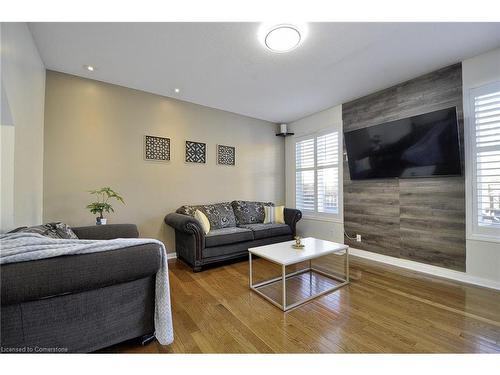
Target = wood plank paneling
(418,219)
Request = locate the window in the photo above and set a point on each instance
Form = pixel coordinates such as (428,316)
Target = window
(485,133)
(317,174)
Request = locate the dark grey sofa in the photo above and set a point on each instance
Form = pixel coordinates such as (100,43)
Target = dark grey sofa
(80,303)
(235,227)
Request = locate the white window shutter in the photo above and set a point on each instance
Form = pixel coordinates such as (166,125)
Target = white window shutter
(486,108)
(305,175)
(327,156)
(317,174)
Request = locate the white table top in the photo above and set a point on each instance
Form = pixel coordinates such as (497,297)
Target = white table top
(283,253)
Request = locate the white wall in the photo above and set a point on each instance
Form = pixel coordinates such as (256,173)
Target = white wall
(7,140)
(328,119)
(482,257)
(23,96)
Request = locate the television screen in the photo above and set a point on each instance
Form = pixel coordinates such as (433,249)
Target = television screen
(419,146)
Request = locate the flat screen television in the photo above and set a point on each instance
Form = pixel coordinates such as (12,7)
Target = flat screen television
(420,146)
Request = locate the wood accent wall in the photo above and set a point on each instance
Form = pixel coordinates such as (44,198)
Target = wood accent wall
(419,219)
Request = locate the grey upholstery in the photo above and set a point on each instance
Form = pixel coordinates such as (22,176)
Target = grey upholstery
(189,237)
(106,232)
(238,250)
(268,230)
(292,217)
(225,236)
(81,303)
(27,281)
(198,249)
(82,322)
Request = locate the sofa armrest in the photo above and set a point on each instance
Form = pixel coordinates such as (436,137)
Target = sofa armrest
(292,216)
(189,238)
(184,223)
(106,232)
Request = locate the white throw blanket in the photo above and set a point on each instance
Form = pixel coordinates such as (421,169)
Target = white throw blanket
(22,247)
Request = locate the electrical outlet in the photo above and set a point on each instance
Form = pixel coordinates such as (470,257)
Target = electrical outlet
(358,237)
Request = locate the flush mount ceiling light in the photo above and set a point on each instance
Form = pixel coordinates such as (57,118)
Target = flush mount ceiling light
(177,90)
(282,38)
(90,68)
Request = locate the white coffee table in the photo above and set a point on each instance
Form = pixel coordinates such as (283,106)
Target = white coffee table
(284,255)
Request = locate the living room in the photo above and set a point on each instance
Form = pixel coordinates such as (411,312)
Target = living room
(250,187)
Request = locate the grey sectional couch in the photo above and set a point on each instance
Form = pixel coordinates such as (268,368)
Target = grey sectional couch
(80,303)
(235,227)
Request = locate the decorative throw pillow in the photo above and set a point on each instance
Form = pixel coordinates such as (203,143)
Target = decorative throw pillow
(52,230)
(18,229)
(187,210)
(202,218)
(279,214)
(274,215)
(220,215)
(248,212)
(269,215)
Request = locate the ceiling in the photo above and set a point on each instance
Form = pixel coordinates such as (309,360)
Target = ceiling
(224,66)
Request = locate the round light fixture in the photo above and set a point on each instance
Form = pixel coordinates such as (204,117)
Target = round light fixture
(177,90)
(90,68)
(282,38)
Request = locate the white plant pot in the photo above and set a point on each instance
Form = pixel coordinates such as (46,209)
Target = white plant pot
(102,221)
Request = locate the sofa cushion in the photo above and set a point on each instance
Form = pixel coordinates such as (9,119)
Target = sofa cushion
(267,230)
(239,249)
(248,212)
(220,215)
(226,236)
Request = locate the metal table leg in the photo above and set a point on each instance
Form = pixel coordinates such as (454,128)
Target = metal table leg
(283,276)
(310,277)
(250,278)
(347,265)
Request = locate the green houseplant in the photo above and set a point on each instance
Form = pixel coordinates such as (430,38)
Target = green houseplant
(101,205)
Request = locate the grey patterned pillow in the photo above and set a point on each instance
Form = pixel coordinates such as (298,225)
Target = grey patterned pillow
(187,210)
(248,212)
(52,230)
(220,215)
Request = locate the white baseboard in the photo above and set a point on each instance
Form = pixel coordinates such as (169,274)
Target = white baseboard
(426,268)
(171,255)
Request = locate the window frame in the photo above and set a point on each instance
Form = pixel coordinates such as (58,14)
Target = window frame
(315,215)
(474,230)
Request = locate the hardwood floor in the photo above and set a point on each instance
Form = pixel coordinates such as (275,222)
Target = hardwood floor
(383,310)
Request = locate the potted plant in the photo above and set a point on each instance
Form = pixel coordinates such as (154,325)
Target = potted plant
(101,204)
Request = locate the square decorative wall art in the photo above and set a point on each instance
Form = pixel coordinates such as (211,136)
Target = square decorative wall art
(156,148)
(226,155)
(196,152)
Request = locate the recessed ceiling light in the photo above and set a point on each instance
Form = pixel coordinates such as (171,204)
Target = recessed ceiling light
(177,90)
(282,38)
(90,68)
